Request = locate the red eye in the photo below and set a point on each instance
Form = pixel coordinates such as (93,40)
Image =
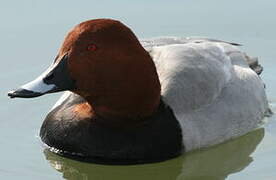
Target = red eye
(92,47)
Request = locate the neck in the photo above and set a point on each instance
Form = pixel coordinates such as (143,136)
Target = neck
(128,103)
(134,94)
(112,111)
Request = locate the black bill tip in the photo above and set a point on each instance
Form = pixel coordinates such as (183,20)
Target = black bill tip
(23,93)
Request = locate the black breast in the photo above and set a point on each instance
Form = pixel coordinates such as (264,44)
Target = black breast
(156,139)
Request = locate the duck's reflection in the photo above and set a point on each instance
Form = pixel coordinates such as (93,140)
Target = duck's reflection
(210,164)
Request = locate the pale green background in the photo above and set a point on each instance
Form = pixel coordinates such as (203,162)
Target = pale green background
(31,32)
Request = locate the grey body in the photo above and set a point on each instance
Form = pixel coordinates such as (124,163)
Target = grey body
(213,92)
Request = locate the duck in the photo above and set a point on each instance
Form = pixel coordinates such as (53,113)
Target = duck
(131,101)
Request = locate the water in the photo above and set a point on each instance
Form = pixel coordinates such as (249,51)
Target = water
(31,33)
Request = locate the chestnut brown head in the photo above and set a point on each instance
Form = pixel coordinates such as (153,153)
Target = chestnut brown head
(103,61)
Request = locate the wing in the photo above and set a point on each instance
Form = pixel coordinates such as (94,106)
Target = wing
(148,44)
(161,41)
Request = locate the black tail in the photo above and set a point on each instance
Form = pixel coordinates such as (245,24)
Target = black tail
(254,64)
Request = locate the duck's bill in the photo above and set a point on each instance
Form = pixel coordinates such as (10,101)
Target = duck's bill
(55,79)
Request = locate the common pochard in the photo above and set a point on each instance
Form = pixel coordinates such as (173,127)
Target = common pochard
(130,101)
